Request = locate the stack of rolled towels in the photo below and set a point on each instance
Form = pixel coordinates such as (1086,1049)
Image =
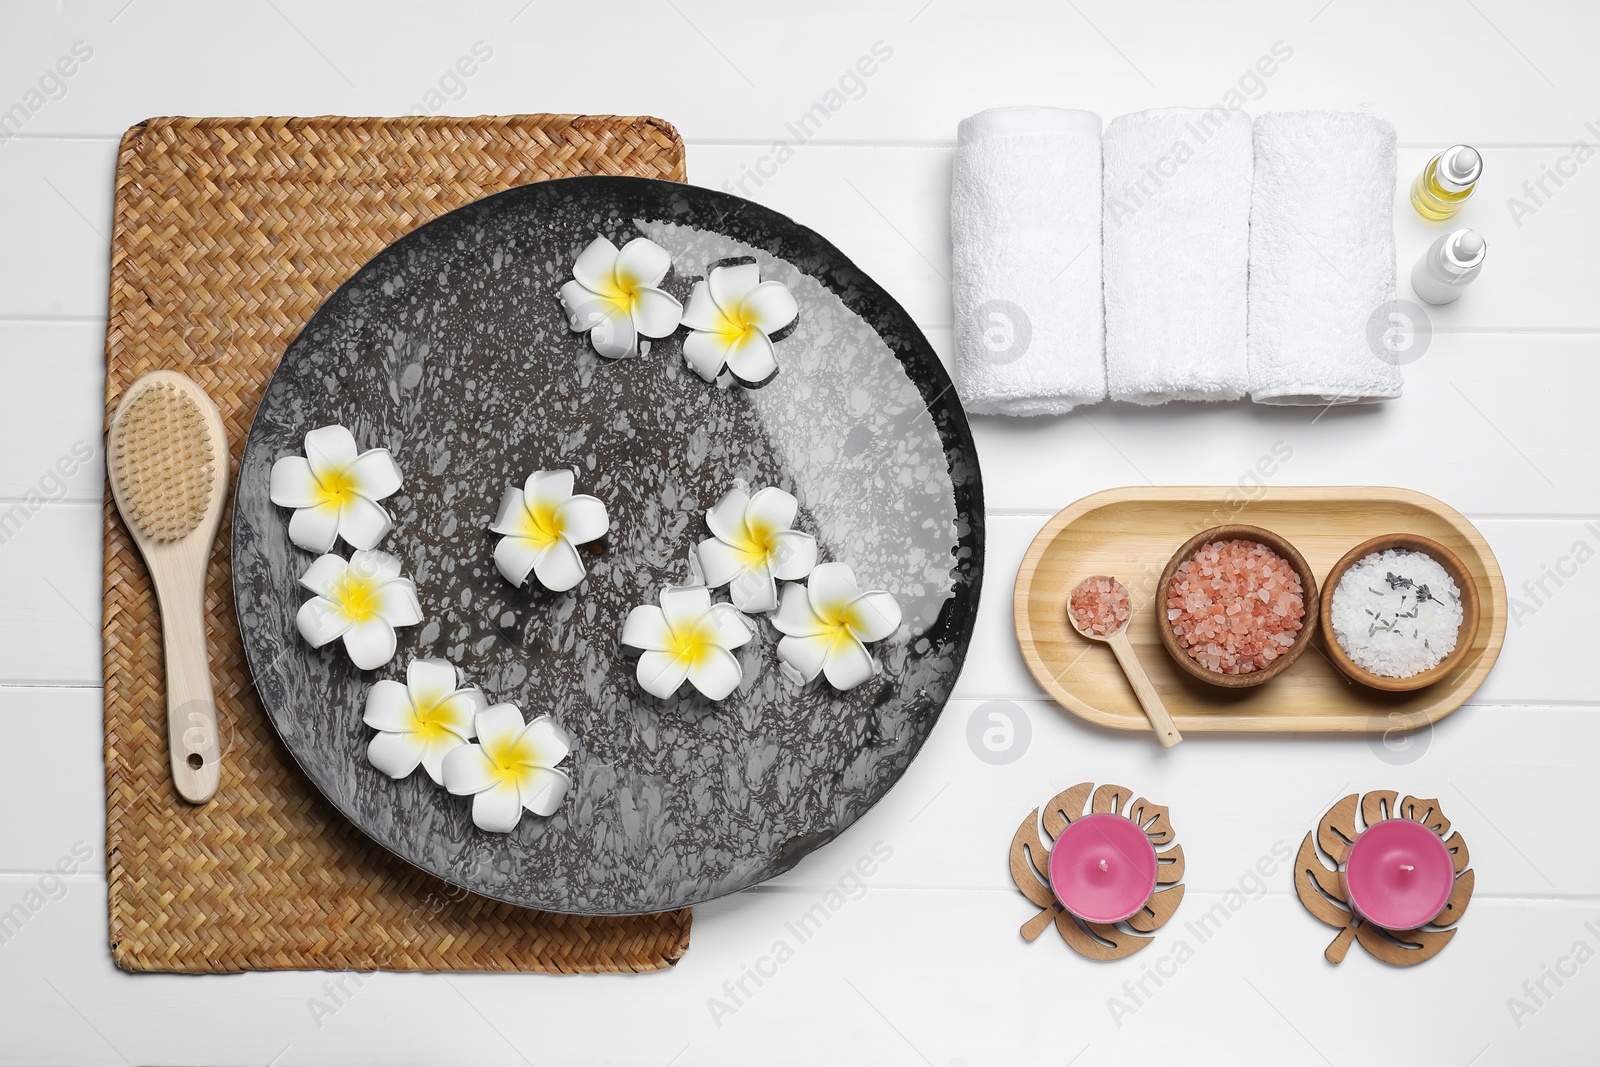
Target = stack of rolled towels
(1185,254)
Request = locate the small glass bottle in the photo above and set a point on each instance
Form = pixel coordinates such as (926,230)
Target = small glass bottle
(1448,266)
(1446,182)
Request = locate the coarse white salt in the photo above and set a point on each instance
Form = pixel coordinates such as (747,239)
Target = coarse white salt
(1396,613)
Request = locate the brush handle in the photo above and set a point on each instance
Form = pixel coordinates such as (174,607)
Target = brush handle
(1149,699)
(191,705)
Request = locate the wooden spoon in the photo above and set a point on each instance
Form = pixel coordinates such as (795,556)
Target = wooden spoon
(1149,699)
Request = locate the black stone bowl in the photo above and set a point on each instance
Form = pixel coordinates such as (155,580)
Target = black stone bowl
(451,349)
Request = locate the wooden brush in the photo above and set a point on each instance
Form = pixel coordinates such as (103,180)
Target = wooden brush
(167,457)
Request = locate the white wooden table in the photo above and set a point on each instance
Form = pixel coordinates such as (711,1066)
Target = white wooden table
(921,963)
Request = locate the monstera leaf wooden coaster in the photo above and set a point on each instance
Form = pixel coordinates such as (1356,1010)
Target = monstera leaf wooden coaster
(1030,867)
(1322,891)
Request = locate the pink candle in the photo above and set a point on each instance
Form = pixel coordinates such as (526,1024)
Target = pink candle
(1398,875)
(1103,868)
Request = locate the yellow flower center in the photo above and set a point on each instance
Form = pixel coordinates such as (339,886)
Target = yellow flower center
(428,719)
(623,292)
(513,759)
(759,542)
(542,523)
(694,643)
(356,596)
(842,622)
(838,630)
(337,486)
(735,327)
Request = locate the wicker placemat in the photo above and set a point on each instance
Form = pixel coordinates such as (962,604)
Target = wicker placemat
(229,234)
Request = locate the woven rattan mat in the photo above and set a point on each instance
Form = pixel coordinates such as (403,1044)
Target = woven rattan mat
(229,234)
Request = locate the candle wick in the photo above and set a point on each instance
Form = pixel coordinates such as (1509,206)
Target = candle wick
(1104,866)
(1407,867)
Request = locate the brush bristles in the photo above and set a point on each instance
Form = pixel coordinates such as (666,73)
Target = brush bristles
(164,462)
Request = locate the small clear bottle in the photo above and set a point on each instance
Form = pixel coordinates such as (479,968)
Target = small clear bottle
(1446,182)
(1448,266)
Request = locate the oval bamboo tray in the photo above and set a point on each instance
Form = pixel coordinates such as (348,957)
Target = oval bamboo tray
(1132,532)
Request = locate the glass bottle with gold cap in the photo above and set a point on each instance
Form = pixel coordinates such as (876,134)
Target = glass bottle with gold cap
(1446,182)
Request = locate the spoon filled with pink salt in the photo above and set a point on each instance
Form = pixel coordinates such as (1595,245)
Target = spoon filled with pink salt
(1100,609)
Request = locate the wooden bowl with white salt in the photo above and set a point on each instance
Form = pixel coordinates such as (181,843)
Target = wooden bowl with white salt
(1467,597)
(1281,658)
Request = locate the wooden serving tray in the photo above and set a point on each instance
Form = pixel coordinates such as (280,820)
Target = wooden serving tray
(1131,532)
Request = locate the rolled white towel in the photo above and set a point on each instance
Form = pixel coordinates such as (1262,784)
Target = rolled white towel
(1177,254)
(1025,236)
(1322,260)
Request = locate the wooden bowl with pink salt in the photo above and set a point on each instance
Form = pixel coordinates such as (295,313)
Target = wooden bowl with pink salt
(1237,605)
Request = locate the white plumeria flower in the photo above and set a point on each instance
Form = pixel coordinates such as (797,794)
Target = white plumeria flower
(733,315)
(615,296)
(754,547)
(687,637)
(827,623)
(334,491)
(422,720)
(511,768)
(543,523)
(361,600)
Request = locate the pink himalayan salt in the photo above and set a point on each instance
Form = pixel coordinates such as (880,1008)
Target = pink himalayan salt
(1100,605)
(1235,606)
